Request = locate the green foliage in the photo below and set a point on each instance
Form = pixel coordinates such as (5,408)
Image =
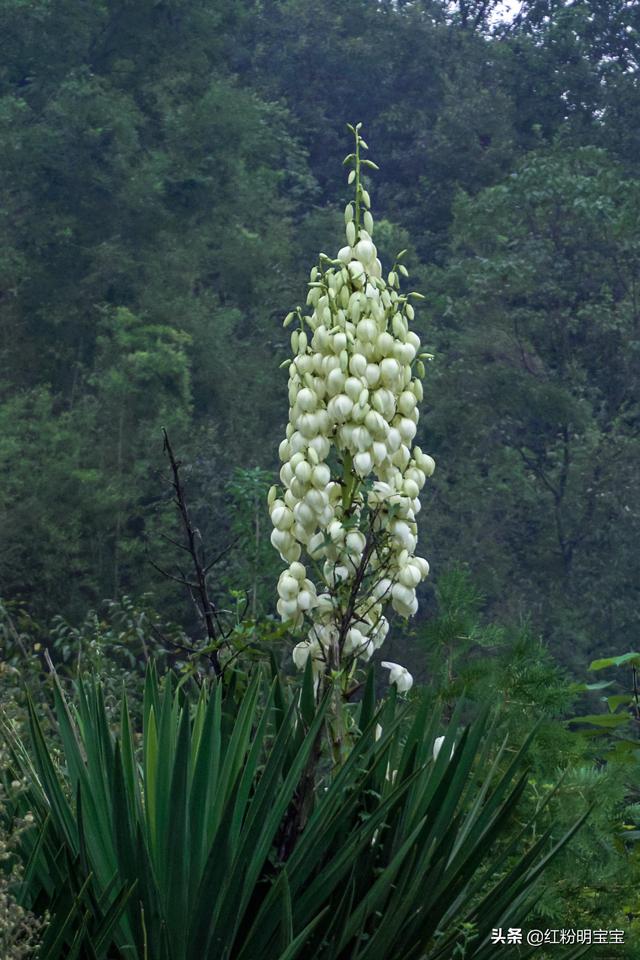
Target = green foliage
(19,929)
(166,170)
(537,318)
(251,563)
(190,842)
(514,671)
(90,468)
(116,643)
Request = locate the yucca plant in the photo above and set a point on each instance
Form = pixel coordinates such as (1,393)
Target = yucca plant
(201,840)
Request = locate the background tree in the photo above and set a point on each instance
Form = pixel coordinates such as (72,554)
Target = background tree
(153,162)
(538,321)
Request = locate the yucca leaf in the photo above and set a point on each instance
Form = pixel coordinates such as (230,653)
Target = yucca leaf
(334,871)
(197,726)
(234,848)
(368,704)
(308,695)
(166,759)
(268,806)
(176,839)
(103,935)
(60,928)
(338,919)
(98,750)
(151,695)
(60,808)
(378,891)
(204,787)
(264,818)
(286,921)
(237,745)
(129,763)
(200,925)
(123,833)
(294,949)
(246,782)
(322,822)
(150,767)
(73,753)
(36,862)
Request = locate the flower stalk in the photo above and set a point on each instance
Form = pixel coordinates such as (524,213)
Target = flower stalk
(351,476)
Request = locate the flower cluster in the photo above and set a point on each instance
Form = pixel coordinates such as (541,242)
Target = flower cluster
(350,476)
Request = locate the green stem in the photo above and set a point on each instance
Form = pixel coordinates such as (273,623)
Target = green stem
(347,481)
(358,187)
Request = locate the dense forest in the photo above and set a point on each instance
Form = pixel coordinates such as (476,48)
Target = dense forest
(169,172)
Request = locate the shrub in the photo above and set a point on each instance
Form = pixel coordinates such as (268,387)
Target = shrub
(224,831)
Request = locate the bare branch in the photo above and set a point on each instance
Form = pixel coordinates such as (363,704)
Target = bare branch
(197,587)
(170,576)
(222,554)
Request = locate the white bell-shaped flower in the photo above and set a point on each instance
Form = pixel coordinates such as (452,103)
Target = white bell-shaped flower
(398,675)
(347,457)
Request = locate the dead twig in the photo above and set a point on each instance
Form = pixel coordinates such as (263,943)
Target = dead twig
(198,587)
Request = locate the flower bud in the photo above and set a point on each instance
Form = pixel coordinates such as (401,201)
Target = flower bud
(426,463)
(363,463)
(384,344)
(305,600)
(355,542)
(354,641)
(322,447)
(379,453)
(288,586)
(301,653)
(365,251)
(394,439)
(367,330)
(339,342)
(355,391)
(342,407)
(422,565)
(410,488)
(399,325)
(361,438)
(358,365)
(280,539)
(372,374)
(389,370)
(353,388)
(281,517)
(410,576)
(407,429)
(406,402)
(306,400)
(320,476)
(298,571)
(403,600)
(316,500)
(315,546)
(303,471)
